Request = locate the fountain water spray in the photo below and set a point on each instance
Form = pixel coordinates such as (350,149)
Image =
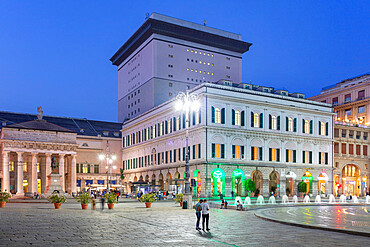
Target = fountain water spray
(306,199)
(295,199)
(367,199)
(331,199)
(272,200)
(247,201)
(285,199)
(260,200)
(318,199)
(342,199)
(355,199)
(238,198)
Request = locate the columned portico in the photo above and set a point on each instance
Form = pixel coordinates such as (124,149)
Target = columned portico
(33,180)
(61,171)
(19,166)
(73,174)
(6,177)
(47,172)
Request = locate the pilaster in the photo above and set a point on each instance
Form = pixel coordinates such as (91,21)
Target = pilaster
(6,177)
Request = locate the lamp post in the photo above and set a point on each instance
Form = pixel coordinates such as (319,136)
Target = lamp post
(187,103)
(109,157)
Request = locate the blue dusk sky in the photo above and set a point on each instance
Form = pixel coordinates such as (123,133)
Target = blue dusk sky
(56,53)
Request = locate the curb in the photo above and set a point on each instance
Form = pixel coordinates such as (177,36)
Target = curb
(364,234)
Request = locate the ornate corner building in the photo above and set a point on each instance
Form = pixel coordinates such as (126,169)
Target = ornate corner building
(351,102)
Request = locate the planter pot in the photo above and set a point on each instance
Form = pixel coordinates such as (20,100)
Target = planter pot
(110,205)
(180,204)
(84,205)
(148,204)
(57,205)
(2,204)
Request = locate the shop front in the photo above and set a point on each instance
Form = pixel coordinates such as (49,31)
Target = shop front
(351,180)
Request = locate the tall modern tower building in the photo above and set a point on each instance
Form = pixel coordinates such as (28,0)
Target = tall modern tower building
(167,55)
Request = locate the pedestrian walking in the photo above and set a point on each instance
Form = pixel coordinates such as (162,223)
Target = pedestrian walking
(102,200)
(205,214)
(198,212)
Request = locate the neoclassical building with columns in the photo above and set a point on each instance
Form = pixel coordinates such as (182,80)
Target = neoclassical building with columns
(241,131)
(33,147)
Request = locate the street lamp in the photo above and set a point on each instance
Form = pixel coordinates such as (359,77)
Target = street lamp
(187,103)
(109,157)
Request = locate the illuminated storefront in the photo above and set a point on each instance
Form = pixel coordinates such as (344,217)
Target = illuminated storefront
(307,178)
(323,179)
(198,183)
(237,183)
(351,180)
(218,182)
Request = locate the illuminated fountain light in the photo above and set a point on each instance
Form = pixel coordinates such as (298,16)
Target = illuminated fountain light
(355,199)
(295,199)
(238,198)
(306,199)
(367,199)
(342,199)
(318,199)
(247,201)
(260,200)
(332,199)
(285,199)
(272,200)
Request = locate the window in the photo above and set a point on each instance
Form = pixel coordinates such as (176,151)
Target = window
(96,168)
(256,153)
(336,132)
(237,117)
(361,109)
(196,151)
(218,150)
(348,112)
(306,126)
(274,154)
(11,166)
(170,56)
(218,115)
(347,97)
(38,167)
(323,128)
(307,157)
(335,101)
(365,150)
(257,120)
(238,152)
(291,156)
(274,122)
(323,158)
(85,168)
(361,94)
(358,149)
(291,124)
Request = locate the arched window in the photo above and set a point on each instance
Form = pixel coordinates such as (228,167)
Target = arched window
(217,115)
(256,120)
(237,118)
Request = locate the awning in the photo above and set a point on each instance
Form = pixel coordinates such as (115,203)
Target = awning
(88,182)
(101,182)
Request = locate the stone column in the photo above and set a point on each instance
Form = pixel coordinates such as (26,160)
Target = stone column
(73,174)
(47,172)
(20,174)
(282,185)
(61,171)
(6,177)
(315,187)
(33,177)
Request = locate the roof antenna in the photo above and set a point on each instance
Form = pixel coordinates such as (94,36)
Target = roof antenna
(205,22)
(146,15)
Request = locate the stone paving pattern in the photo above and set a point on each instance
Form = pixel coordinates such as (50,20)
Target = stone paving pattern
(165,224)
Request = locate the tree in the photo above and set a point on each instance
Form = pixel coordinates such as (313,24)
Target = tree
(302,187)
(250,186)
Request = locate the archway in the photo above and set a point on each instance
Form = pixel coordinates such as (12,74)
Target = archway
(323,179)
(147,178)
(307,178)
(160,181)
(274,183)
(198,183)
(218,182)
(141,179)
(153,181)
(290,183)
(351,180)
(168,180)
(237,181)
(135,179)
(257,178)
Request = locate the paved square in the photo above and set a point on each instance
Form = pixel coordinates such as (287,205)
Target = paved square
(165,224)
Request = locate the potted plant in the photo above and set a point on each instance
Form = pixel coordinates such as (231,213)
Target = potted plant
(147,199)
(111,199)
(179,197)
(4,197)
(84,199)
(57,199)
(302,188)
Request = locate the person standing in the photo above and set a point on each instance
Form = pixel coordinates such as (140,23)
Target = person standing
(198,211)
(205,214)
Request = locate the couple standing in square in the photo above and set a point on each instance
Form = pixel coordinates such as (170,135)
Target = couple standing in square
(202,209)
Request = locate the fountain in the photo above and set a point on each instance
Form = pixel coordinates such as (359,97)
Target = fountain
(272,200)
(295,199)
(260,200)
(342,199)
(238,198)
(318,199)
(331,199)
(285,199)
(367,199)
(306,199)
(247,201)
(355,199)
